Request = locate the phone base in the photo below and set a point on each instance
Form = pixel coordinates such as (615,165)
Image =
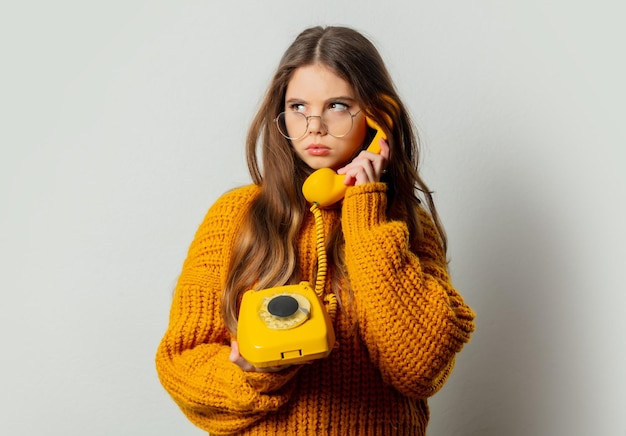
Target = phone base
(284,325)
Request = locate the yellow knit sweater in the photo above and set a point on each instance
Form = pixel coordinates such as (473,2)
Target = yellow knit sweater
(396,342)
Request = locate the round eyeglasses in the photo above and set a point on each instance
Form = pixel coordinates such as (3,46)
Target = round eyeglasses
(294,125)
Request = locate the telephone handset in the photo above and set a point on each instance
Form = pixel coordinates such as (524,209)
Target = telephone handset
(325,187)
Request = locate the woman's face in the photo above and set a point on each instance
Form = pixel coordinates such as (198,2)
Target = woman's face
(315,90)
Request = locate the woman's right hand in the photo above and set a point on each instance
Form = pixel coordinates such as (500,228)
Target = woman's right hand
(242,363)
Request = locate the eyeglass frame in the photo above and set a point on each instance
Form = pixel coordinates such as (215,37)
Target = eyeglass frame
(306,129)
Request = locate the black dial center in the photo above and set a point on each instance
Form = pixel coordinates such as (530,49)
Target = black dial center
(282,306)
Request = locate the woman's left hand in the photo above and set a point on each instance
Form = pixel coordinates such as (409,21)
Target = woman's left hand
(367,167)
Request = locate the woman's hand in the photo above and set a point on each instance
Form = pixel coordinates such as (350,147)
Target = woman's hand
(367,167)
(242,363)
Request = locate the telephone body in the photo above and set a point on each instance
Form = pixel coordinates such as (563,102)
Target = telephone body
(284,325)
(325,187)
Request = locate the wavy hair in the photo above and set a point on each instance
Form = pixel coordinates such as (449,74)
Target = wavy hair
(265,250)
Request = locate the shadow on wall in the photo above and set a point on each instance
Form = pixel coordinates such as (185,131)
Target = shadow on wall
(516,268)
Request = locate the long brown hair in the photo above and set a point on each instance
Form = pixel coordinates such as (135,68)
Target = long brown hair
(265,250)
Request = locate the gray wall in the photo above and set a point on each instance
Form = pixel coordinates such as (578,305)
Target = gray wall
(121,122)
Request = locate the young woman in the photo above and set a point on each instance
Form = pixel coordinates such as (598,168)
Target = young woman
(398,323)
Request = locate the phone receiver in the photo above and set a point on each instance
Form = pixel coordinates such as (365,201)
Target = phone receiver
(325,187)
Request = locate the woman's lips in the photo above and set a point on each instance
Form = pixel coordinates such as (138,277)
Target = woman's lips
(317,150)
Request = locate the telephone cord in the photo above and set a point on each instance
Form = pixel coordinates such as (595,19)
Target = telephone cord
(322,264)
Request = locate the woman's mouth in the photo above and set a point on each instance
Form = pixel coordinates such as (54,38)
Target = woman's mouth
(317,150)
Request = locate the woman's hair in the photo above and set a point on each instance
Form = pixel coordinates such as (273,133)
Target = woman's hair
(265,250)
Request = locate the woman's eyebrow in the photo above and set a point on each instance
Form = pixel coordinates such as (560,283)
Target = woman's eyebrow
(328,100)
(294,101)
(341,97)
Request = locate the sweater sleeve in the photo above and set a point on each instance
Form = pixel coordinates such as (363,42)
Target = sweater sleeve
(193,357)
(412,320)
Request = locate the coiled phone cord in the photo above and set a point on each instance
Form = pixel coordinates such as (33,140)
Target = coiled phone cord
(322,264)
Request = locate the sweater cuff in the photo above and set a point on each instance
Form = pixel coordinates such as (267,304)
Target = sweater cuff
(364,206)
(268,382)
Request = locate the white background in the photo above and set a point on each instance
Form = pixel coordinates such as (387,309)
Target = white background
(121,122)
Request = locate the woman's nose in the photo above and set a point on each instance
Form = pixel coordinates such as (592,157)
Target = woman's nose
(315,124)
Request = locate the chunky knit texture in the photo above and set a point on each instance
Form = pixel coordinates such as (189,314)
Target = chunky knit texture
(396,340)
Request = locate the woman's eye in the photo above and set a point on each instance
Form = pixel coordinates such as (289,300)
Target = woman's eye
(296,107)
(337,106)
